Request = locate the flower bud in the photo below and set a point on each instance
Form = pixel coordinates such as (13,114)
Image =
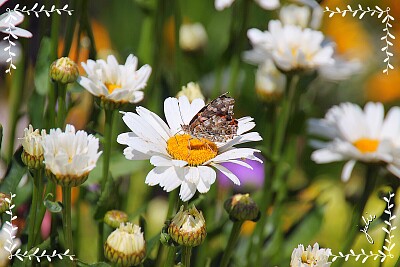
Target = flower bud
(125,246)
(191,91)
(188,227)
(192,37)
(114,218)
(4,205)
(64,70)
(241,208)
(32,156)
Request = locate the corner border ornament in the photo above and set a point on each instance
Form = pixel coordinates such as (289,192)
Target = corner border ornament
(389,236)
(10,246)
(12,19)
(387,37)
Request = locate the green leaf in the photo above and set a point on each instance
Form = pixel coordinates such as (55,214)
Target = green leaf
(52,206)
(41,78)
(151,243)
(97,264)
(14,174)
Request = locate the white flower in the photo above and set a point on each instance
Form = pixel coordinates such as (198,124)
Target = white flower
(9,20)
(312,257)
(70,155)
(113,82)
(265,4)
(295,15)
(270,82)
(32,141)
(192,37)
(4,236)
(290,46)
(179,159)
(357,135)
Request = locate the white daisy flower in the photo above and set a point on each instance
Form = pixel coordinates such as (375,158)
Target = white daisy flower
(311,257)
(69,156)
(33,149)
(291,47)
(179,159)
(114,83)
(265,4)
(357,135)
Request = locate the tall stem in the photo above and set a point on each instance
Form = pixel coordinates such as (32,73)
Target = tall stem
(66,197)
(370,180)
(69,34)
(178,52)
(233,238)
(33,210)
(40,207)
(172,206)
(186,255)
(277,145)
(109,114)
(62,105)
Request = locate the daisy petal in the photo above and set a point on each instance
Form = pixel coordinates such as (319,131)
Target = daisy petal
(228,173)
(347,169)
(187,191)
(172,114)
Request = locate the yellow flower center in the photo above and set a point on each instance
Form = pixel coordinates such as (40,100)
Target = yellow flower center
(308,258)
(365,145)
(192,150)
(111,87)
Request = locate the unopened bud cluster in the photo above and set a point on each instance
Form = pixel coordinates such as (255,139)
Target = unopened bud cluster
(241,208)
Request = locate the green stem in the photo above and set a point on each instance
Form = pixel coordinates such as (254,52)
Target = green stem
(233,238)
(178,52)
(109,117)
(100,245)
(370,180)
(69,34)
(66,197)
(172,206)
(33,210)
(62,108)
(257,238)
(186,255)
(16,90)
(40,209)
(397,262)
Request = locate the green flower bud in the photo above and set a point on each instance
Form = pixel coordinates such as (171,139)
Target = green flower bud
(4,205)
(188,227)
(64,70)
(125,246)
(241,208)
(114,218)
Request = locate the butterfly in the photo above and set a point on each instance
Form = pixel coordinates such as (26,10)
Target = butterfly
(215,121)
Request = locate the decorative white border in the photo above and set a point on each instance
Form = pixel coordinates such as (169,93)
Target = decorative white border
(386,21)
(389,241)
(10,246)
(10,20)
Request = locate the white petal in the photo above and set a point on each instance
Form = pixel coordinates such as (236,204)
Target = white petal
(132,154)
(227,172)
(395,170)
(172,114)
(325,155)
(155,121)
(241,139)
(207,174)
(347,169)
(391,125)
(187,191)
(184,108)
(156,175)
(192,175)
(172,181)
(235,153)
(165,161)
(374,114)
